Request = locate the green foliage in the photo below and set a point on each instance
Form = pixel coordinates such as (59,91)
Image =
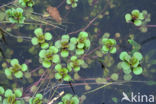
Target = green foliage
(82,43)
(73,3)
(75,63)
(37,99)
(62,73)
(137,18)
(69,99)
(64,45)
(135,46)
(41,38)
(8,97)
(15,15)
(108,45)
(49,56)
(114,76)
(131,63)
(15,69)
(26,3)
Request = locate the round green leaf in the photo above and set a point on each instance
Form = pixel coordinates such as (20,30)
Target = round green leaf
(1,90)
(46,64)
(18,93)
(48,36)
(8,93)
(114,76)
(14,62)
(64,53)
(40,96)
(24,67)
(137,70)
(44,45)
(34,41)
(18,74)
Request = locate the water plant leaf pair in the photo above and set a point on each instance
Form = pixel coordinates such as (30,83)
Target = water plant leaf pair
(109,45)
(37,99)
(62,73)
(75,63)
(41,38)
(131,62)
(15,15)
(69,99)
(73,3)
(10,97)
(49,56)
(15,69)
(26,3)
(83,43)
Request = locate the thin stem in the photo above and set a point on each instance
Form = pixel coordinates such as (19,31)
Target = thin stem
(150,25)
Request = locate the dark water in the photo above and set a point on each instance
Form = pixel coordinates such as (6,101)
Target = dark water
(112,23)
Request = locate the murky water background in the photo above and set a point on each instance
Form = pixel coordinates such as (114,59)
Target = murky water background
(112,23)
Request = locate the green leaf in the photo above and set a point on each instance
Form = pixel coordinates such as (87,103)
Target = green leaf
(75,100)
(56,58)
(138,55)
(24,67)
(38,31)
(125,65)
(48,36)
(115,100)
(18,74)
(137,22)
(66,97)
(124,56)
(64,53)
(79,51)
(46,64)
(67,78)
(34,41)
(14,62)
(58,76)
(44,45)
(114,76)
(113,50)
(136,47)
(8,72)
(137,70)
(40,96)
(128,17)
(8,93)
(18,93)
(42,53)
(58,66)
(1,90)
(127,77)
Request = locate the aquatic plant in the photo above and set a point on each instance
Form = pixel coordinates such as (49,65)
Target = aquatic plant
(41,38)
(61,60)
(62,73)
(63,45)
(73,3)
(15,69)
(75,63)
(83,43)
(108,45)
(137,18)
(8,97)
(131,62)
(15,15)
(37,99)
(26,3)
(49,56)
(69,99)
